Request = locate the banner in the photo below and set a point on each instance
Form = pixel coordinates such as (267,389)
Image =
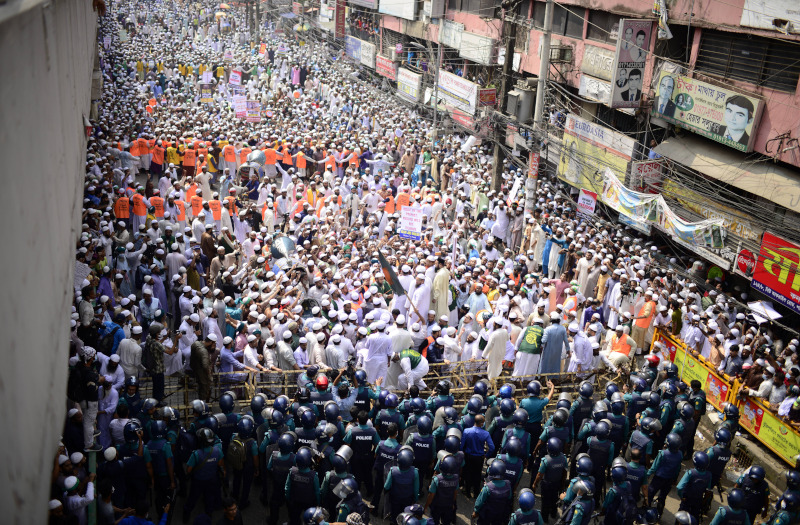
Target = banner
(368,54)
(533,165)
(240,106)
(408,84)
(253,111)
(646,176)
(770,430)
(340,18)
(410,223)
(236,78)
(588,149)
(477,48)
(642,227)
(208,76)
(720,114)
(352,48)
(206,93)
(458,92)
(630,62)
(777,271)
(385,67)
(587,202)
(487,97)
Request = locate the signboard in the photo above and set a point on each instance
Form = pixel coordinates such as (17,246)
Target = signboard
(720,114)
(408,84)
(646,176)
(770,430)
(206,93)
(403,9)
(595,89)
(228,55)
(477,48)
(487,97)
(777,271)
(450,33)
(340,19)
(385,67)
(533,165)
(208,76)
(763,14)
(368,54)
(598,62)
(630,61)
(236,78)
(587,149)
(262,50)
(352,48)
(253,111)
(106,42)
(410,223)
(458,92)
(371,4)
(587,202)
(240,106)
(745,263)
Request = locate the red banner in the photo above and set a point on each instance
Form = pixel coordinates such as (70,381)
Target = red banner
(385,68)
(533,165)
(777,271)
(487,97)
(340,18)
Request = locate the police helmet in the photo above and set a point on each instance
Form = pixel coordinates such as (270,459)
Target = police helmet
(304,457)
(673,442)
(731,411)
(599,411)
(791,501)
(619,474)
(527,500)
(586,390)
(308,419)
(671,370)
(246,427)
(303,394)
(281,404)
(452,444)
(481,388)
(496,470)
(668,390)
(169,414)
(159,429)
(331,411)
(650,425)
(443,387)
(554,446)
(314,515)
(757,473)
(682,517)
(617,403)
(474,405)
(360,377)
(560,417)
(723,436)
(449,465)
(506,391)
(611,389)
(205,437)
(258,403)
(226,401)
(639,384)
(424,425)
(793,479)
(391,401)
(198,407)
(149,404)
(584,487)
(700,460)
(131,431)
(417,405)
(584,466)
(651,516)
(735,498)
(507,407)
(563,403)
(534,388)
(405,458)
(514,447)
(686,410)
(653,399)
(520,417)
(602,429)
(131,381)
(450,415)
(286,442)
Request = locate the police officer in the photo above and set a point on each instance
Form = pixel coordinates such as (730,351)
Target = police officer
(787,510)
(581,408)
(601,452)
(580,510)
(243,478)
(365,395)
(307,432)
(268,433)
(228,419)
(443,491)
(584,470)
(552,474)
(440,397)
(756,492)
(665,471)
(534,405)
(402,483)
(599,413)
(635,400)
(350,501)
(685,425)
(385,453)
(694,485)
(321,393)
(388,416)
(637,475)
(302,485)
(498,425)
(619,421)
(137,464)
(557,429)
(449,420)
(493,505)
(719,454)
(331,414)
(730,421)
(162,462)
(526,514)
(641,438)
(363,439)
(279,464)
(424,447)
(334,477)
(477,445)
(618,504)
(734,513)
(513,457)
(206,467)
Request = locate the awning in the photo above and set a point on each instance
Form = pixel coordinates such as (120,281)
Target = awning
(761,178)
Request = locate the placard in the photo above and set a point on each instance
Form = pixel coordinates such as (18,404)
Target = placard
(587,202)
(770,430)
(236,78)
(253,111)
(240,106)
(630,61)
(598,62)
(208,76)
(487,97)
(206,93)
(410,223)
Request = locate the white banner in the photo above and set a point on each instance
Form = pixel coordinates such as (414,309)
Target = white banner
(587,201)
(458,92)
(408,84)
(477,48)
(368,54)
(235,78)
(401,9)
(208,75)
(410,223)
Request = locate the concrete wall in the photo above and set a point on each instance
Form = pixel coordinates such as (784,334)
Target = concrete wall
(47,52)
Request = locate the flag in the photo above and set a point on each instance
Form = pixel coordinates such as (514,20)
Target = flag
(391,277)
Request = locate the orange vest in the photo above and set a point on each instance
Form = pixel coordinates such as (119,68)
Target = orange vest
(229,153)
(618,346)
(311,197)
(301,160)
(330,164)
(230,203)
(354,160)
(196,203)
(243,153)
(122,209)
(270,155)
(345,153)
(403,199)
(158,204)
(287,156)
(181,207)
(143,149)
(151,143)
(390,205)
(191,192)
(158,155)
(645,322)
(189,157)
(216,209)
(135,148)
(203,152)
(139,208)
(570,305)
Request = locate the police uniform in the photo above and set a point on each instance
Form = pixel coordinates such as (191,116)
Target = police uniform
(279,466)
(424,448)
(385,453)
(205,463)
(692,489)
(493,505)
(443,507)
(302,492)
(665,470)
(553,469)
(402,487)
(362,439)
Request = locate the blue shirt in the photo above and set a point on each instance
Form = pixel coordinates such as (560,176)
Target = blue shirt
(473,440)
(119,335)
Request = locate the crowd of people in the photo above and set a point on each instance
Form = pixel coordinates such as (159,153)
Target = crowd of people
(223,250)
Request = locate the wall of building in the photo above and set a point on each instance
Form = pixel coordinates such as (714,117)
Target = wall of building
(48,52)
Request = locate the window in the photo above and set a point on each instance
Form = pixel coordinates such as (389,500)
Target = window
(603,26)
(568,21)
(538,14)
(454,4)
(761,61)
(524,8)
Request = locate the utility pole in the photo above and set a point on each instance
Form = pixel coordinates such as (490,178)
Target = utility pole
(505,87)
(436,90)
(258,21)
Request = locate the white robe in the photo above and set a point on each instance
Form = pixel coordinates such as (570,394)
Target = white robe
(495,352)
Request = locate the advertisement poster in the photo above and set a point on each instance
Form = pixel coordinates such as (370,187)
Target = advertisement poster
(770,430)
(777,271)
(745,263)
(487,97)
(458,93)
(352,48)
(253,111)
(236,78)
(408,84)
(533,165)
(206,93)
(720,114)
(587,201)
(385,67)
(410,223)
(587,149)
(630,62)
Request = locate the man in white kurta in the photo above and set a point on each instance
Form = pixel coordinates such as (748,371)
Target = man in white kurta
(441,290)
(379,349)
(582,356)
(421,298)
(495,349)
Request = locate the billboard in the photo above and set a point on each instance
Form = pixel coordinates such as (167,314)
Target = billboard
(587,149)
(458,92)
(404,9)
(598,62)
(408,84)
(450,33)
(385,67)
(630,62)
(340,17)
(352,48)
(777,271)
(477,48)
(721,114)
(368,54)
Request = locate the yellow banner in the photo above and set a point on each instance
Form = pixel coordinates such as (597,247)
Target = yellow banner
(769,429)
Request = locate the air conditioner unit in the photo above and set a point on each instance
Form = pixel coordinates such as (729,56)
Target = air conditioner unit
(525,104)
(513,102)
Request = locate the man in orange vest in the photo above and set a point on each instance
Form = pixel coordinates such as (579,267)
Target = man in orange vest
(157,162)
(140,205)
(643,320)
(122,208)
(177,208)
(144,152)
(228,159)
(216,211)
(196,202)
(271,157)
(620,348)
(157,202)
(189,161)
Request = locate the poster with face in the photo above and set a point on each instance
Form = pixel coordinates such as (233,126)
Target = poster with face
(630,62)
